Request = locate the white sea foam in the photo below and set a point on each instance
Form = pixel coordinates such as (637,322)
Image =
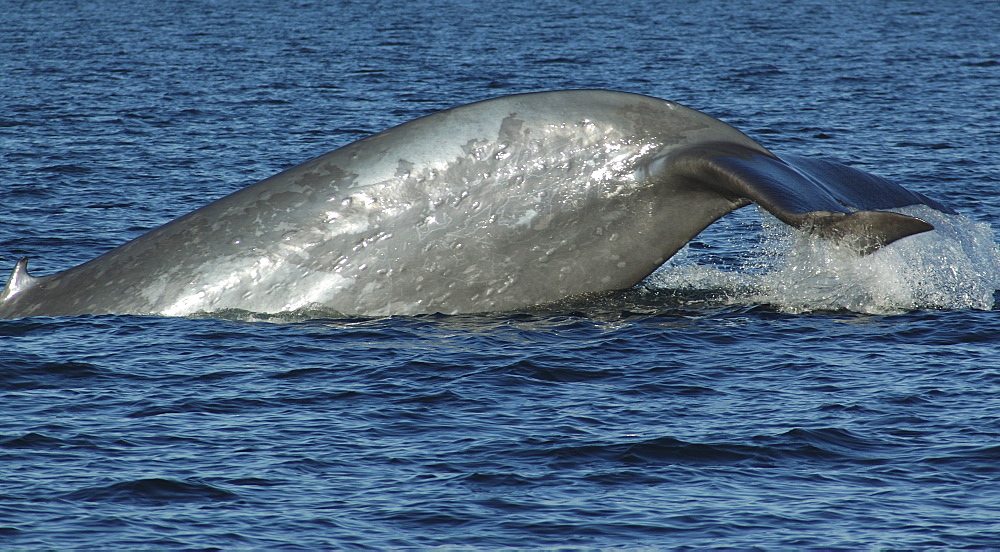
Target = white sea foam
(955,266)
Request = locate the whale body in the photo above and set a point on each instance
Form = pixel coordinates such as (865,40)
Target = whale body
(496,205)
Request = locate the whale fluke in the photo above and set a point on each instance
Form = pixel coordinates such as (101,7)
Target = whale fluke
(816,196)
(496,205)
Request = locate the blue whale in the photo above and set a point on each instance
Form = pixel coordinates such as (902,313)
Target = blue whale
(496,205)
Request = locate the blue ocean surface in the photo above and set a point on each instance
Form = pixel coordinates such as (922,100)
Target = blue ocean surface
(755,392)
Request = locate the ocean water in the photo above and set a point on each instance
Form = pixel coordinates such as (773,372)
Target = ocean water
(761,390)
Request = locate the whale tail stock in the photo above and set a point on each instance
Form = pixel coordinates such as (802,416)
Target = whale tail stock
(819,197)
(565,193)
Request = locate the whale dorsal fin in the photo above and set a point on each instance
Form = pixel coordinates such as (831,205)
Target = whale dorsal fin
(19,281)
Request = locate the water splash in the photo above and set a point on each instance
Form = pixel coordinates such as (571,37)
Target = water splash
(955,266)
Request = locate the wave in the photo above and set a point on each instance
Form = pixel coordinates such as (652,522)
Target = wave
(956,266)
(30,372)
(153,491)
(817,445)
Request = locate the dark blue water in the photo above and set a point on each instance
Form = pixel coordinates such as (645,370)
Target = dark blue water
(856,407)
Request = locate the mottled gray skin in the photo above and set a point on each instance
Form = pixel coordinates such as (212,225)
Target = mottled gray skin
(496,205)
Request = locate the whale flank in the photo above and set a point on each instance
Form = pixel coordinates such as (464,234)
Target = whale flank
(496,205)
